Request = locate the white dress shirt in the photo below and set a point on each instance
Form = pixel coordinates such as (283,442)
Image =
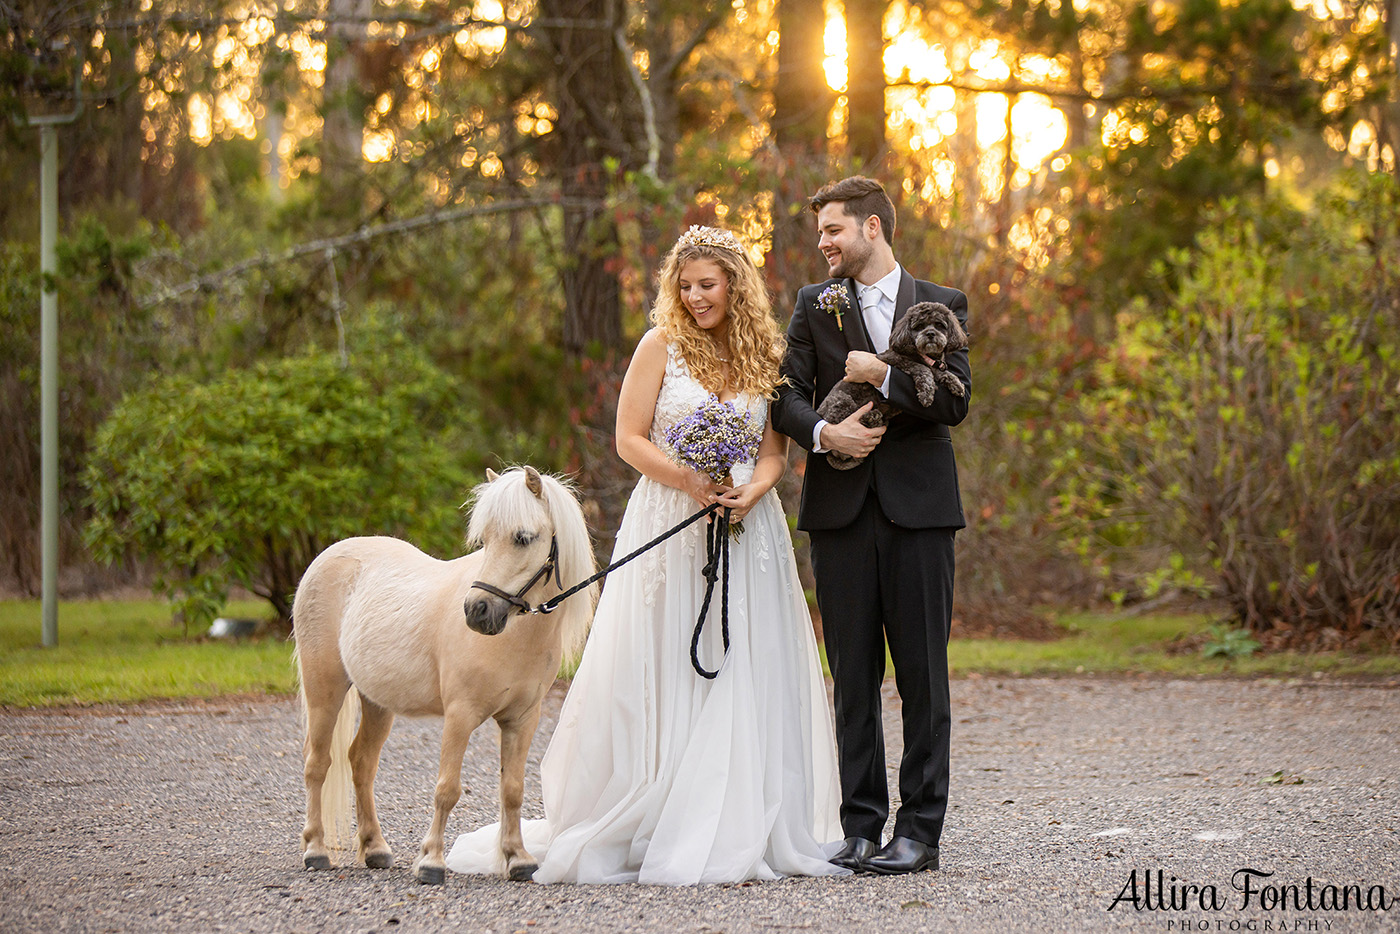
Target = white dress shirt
(877,302)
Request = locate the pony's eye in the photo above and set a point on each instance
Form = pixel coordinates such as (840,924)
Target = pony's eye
(523,538)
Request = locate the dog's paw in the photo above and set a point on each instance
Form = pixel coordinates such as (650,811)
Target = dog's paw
(949,382)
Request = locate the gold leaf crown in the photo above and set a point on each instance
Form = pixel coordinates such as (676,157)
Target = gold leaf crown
(712,237)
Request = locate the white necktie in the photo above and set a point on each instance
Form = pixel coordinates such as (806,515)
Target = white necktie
(877,323)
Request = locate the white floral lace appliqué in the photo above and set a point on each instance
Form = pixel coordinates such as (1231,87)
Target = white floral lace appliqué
(680,395)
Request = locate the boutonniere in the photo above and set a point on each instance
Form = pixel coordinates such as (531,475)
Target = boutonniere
(834,301)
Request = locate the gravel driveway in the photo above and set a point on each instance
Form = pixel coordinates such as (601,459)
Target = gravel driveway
(186,817)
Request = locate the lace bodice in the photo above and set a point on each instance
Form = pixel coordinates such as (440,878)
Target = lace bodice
(681,394)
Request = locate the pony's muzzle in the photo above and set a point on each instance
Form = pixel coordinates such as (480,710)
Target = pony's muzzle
(487,615)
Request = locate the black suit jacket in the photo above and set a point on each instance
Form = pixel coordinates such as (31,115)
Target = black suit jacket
(912,470)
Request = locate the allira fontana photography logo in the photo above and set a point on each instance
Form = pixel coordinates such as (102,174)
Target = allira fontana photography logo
(1252,890)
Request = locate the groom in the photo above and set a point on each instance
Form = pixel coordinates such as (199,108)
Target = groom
(882,532)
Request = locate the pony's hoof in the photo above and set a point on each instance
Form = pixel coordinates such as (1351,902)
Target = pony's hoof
(523,872)
(431,875)
(317,862)
(379,860)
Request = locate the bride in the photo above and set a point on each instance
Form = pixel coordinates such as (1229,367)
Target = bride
(653,773)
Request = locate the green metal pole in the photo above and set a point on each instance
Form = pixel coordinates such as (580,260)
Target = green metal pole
(48,378)
(48,347)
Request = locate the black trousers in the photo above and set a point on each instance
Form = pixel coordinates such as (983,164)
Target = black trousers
(877,581)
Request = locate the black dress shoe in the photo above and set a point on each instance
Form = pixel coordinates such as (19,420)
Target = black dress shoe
(854,852)
(902,854)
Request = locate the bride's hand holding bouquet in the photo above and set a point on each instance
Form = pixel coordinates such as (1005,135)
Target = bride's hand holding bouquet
(710,441)
(741,499)
(699,487)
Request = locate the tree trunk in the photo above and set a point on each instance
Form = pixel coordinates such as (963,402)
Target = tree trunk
(1388,122)
(592,296)
(591,91)
(1078,135)
(865,79)
(660,85)
(125,169)
(802,103)
(967,155)
(801,99)
(343,98)
(1008,168)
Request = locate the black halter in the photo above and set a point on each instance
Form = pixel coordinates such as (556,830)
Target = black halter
(551,566)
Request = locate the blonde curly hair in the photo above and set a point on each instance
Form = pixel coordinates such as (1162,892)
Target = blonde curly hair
(756,343)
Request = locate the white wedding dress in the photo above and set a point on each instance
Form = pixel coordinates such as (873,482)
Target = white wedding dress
(656,775)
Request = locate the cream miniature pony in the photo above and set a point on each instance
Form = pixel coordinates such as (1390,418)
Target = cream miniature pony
(383,629)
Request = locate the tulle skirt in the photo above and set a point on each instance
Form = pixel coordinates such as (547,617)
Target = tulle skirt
(656,775)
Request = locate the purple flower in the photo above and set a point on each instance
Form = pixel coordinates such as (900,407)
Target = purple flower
(834,301)
(714,438)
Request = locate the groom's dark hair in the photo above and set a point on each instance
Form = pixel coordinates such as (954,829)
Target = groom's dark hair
(860,197)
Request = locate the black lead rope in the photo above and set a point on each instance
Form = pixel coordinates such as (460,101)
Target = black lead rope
(716,555)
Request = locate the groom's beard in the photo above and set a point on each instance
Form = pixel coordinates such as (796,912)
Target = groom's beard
(853,261)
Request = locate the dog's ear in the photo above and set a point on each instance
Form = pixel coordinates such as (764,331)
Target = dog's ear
(957,337)
(902,334)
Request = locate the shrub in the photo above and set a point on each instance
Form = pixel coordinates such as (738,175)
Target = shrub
(1245,433)
(244,479)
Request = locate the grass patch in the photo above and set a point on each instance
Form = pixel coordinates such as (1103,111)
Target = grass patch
(127,651)
(1105,643)
(115,651)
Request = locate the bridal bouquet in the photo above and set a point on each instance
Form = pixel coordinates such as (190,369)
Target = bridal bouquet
(714,438)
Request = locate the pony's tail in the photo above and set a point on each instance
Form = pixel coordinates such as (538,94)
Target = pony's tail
(336,794)
(338,788)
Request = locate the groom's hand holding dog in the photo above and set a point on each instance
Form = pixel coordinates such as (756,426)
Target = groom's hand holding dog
(849,436)
(864,367)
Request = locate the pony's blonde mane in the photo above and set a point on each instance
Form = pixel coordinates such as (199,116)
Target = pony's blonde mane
(507,504)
